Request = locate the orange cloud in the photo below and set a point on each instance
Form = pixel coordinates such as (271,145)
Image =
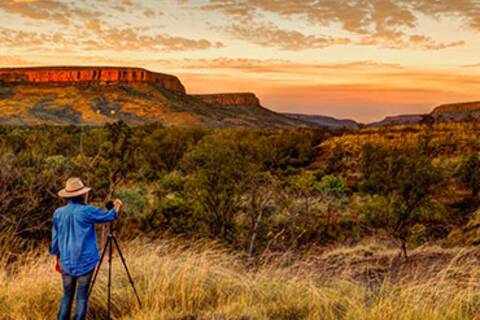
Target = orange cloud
(389,23)
(39,10)
(14,61)
(269,35)
(115,39)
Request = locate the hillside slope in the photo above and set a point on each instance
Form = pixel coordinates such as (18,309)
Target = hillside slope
(457,112)
(325,121)
(408,119)
(96,95)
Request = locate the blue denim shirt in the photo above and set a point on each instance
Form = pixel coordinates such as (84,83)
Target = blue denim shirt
(74,239)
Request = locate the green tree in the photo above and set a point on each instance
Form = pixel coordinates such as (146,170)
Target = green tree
(469,173)
(219,167)
(116,159)
(259,194)
(408,180)
(164,148)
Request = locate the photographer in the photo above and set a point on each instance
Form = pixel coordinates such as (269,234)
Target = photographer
(74,245)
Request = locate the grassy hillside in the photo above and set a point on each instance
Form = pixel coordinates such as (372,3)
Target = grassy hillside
(445,142)
(94,104)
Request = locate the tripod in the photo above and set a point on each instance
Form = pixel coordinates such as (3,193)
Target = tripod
(111,241)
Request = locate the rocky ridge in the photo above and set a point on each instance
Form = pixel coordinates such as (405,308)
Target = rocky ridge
(230,99)
(458,107)
(468,111)
(96,95)
(99,75)
(404,119)
(325,121)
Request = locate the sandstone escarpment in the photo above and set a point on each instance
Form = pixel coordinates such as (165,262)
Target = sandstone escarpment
(101,75)
(404,119)
(98,95)
(230,99)
(458,107)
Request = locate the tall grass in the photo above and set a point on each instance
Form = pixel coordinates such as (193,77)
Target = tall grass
(204,281)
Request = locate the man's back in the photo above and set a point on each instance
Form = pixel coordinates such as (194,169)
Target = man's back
(74,238)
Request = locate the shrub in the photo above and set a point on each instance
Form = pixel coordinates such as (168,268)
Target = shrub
(332,186)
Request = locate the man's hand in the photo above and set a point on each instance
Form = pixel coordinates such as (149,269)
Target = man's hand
(58,267)
(117,204)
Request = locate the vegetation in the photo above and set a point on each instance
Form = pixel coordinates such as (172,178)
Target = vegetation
(255,190)
(282,217)
(205,281)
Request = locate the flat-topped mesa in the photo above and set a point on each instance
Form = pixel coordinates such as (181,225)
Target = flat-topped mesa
(455,107)
(230,99)
(101,75)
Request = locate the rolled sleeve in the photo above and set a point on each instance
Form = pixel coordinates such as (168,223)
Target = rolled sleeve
(54,245)
(96,215)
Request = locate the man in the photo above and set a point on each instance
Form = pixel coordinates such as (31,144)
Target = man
(74,245)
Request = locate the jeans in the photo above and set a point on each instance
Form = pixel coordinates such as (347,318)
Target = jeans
(69,286)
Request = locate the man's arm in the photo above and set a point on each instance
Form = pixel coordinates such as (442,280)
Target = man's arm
(54,245)
(96,215)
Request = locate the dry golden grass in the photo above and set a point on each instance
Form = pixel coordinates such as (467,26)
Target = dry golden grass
(203,281)
(448,138)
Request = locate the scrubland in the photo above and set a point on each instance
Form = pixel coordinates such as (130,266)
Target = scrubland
(267,224)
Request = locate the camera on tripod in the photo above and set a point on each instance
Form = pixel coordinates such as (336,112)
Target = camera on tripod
(109,243)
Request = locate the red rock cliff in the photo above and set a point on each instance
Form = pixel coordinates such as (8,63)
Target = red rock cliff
(230,99)
(467,106)
(103,75)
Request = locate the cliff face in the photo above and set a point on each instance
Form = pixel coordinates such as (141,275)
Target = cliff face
(468,111)
(230,99)
(458,107)
(97,95)
(101,75)
(406,119)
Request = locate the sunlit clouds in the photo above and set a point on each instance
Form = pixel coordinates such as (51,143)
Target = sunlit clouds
(359,59)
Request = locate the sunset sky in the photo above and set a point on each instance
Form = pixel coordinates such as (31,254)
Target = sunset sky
(359,59)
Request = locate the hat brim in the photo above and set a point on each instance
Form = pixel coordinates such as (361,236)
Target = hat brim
(65,194)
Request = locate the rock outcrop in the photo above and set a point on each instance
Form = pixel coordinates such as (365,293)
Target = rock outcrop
(324,121)
(468,111)
(406,119)
(98,95)
(458,107)
(101,75)
(230,99)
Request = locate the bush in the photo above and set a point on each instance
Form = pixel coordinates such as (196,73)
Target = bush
(332,186)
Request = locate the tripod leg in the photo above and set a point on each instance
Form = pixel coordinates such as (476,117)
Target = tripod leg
(109,275)
(126,269)
(98,268)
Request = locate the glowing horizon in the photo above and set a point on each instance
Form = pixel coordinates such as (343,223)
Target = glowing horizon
(363,59)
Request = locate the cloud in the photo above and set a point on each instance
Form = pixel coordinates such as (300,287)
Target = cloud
(52,10)
(134,39)
(427,43)
(275,66)
(83,27)
(97,37)
(388,23)
(468,10)
(26,39)
(10,61)
(268,35)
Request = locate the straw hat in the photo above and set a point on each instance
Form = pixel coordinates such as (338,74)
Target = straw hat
(73,188)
